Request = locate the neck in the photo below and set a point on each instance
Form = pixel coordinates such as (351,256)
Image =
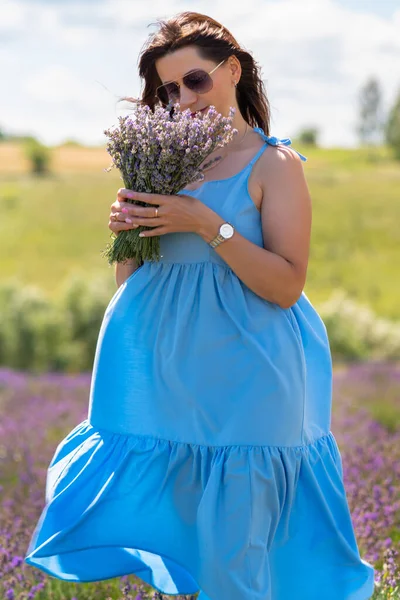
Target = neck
(241,125)
(239,137)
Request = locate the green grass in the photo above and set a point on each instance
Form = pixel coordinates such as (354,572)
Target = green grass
(52,226)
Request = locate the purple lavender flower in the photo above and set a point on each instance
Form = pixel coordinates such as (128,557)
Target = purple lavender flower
(36,410)
(160,154)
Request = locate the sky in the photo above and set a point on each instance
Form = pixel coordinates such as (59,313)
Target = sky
(65,63)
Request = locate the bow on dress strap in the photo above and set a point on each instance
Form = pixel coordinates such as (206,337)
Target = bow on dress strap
(274,141)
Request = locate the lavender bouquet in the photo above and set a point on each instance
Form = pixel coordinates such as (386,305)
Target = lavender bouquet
(161,152)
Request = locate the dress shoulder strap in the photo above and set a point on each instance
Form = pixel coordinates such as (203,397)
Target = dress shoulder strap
(274,141)
(257,156)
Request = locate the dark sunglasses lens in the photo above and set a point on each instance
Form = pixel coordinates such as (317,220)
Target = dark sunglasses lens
(168,92)
(198,81)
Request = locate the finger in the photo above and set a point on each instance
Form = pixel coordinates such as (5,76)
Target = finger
(153,232)
(117,226)
(120,204)
(124,193)
(116,206)
(144,221)
(116,215)
(118,218)
(140,211)
(150,198)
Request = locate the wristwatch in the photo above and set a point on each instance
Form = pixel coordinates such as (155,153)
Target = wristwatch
(226,231)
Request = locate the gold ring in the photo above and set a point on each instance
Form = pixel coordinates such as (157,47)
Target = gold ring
(156,215)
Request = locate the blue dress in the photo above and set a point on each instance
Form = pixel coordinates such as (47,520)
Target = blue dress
(206,461)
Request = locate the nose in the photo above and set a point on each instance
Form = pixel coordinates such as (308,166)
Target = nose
(187,97)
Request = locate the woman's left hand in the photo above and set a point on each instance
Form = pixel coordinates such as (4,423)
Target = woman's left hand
(175,213)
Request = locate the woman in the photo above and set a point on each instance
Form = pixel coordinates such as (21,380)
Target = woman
(207,461)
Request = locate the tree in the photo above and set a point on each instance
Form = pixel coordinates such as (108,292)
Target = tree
(371,122)
(39,156)
(308,136)
(392,127)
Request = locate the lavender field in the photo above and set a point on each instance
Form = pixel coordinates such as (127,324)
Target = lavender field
(37,411)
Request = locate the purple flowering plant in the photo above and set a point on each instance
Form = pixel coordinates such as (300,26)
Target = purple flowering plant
(161,152)
(36,410)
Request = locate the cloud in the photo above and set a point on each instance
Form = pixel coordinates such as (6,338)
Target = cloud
(55,84)
(314,55)
(12,16)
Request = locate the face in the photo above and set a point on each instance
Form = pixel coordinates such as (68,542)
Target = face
(173,66)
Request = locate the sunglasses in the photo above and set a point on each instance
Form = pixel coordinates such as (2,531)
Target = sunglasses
(198,81)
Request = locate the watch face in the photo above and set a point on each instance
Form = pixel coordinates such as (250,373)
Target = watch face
(226,230)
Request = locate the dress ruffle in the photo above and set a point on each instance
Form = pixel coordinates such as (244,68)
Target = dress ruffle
(108,495)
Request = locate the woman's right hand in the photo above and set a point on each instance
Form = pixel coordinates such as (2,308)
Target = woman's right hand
(117,218)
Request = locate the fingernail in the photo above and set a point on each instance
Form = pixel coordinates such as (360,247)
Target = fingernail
(124,210)
(127,220)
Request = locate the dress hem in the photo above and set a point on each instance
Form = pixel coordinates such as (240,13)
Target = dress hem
(30,560)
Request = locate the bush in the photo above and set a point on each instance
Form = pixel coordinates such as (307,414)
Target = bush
(308,136)
(33,335)
(355,332)
(38,155)
(392,128)
(39,336)
(82,305)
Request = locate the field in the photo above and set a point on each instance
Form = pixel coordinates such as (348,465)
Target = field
(38,411)
(57,225)
(54,225)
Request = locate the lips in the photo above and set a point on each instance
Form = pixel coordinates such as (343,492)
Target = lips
(202,111)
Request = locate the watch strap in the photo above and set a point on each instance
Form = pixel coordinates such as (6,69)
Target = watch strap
(217,240)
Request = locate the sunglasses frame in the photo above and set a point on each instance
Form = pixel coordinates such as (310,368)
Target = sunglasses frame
(182,78)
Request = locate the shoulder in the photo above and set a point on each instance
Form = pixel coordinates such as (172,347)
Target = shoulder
(277,150)
(280,157)
(279,165)
(277,168)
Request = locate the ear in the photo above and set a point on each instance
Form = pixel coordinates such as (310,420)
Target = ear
(235,68)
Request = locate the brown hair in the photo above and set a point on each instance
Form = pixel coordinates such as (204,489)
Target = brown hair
(214,42)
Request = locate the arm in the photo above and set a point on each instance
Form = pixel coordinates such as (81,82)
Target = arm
(276,272)
(124,270)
